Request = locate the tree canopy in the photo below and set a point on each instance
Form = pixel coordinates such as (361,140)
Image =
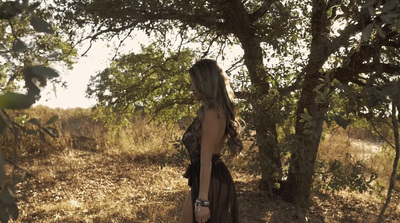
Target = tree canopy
(29,46)
(152,80)
(318,61)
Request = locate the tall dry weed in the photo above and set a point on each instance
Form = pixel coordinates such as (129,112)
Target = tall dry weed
(78,130)
(360,147)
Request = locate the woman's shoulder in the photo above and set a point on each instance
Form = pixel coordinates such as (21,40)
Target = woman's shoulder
(214,119)
(213,113)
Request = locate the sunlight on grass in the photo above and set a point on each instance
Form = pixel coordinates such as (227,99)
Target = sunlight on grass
(93,173)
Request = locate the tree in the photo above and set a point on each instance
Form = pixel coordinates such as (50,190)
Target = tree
(25,56)
(28,61)
(220,21)
(318,44)
(151,80)
(357,66)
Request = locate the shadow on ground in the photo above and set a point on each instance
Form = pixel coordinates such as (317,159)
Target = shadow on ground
(149,188)
(255,206)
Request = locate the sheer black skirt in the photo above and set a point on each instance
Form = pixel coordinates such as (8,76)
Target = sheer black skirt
(221,194)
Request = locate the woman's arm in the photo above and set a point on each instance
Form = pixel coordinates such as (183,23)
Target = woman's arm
(213,128)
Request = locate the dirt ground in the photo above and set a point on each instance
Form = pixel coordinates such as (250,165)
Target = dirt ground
(89,186)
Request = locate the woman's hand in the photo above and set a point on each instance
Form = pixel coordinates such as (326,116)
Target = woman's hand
(202,214)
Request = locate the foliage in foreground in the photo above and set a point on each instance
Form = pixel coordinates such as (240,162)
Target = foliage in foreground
(28,48)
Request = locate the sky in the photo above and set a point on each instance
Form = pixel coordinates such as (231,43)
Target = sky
(97,59)
(77,79)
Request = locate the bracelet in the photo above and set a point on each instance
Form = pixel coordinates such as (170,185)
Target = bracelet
(201,203)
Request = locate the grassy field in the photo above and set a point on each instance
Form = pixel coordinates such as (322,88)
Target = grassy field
(92,173)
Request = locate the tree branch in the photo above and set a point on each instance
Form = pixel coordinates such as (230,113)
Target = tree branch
(394,44)
(343,39)
(293,87)
(115,30)
(243,94)
(395,162)
(260,11)
(386,68)
(346,74)
(205,53)
(120,44)
(181,101)
(12,29)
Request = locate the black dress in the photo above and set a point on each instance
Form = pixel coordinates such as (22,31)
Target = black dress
(221,194)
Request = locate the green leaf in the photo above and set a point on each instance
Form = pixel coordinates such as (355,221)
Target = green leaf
(386,19)
(3,125)
(380,32)
(389,5)
(40,25)
(41,136)
(369,3)
(393,15)
(51,131)
(398,25)
(307,131)
(13,211)
(19,45)
(34,121)
(34,6)
(16,101)
(42,71)
(391,90)
(2,169)
(329,12)
(4,217)
(305,117)
(367,31)
(371,11)
(336,83)
(317,88)
(341,122)
(10,9)
(52,119)
(326,91)
(31,132)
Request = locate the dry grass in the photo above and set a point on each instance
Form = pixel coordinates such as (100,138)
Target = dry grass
(87,187)
(92,173)
(358,146)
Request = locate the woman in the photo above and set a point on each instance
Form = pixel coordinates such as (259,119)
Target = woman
(212,197)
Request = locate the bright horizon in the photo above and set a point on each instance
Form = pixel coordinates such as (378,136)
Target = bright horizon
(97,59)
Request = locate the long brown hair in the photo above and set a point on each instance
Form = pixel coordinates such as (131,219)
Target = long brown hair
(213,85)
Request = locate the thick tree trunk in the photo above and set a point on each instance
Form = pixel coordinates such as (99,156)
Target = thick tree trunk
(305,146)
(304,149)
(269,153)
(265,124)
